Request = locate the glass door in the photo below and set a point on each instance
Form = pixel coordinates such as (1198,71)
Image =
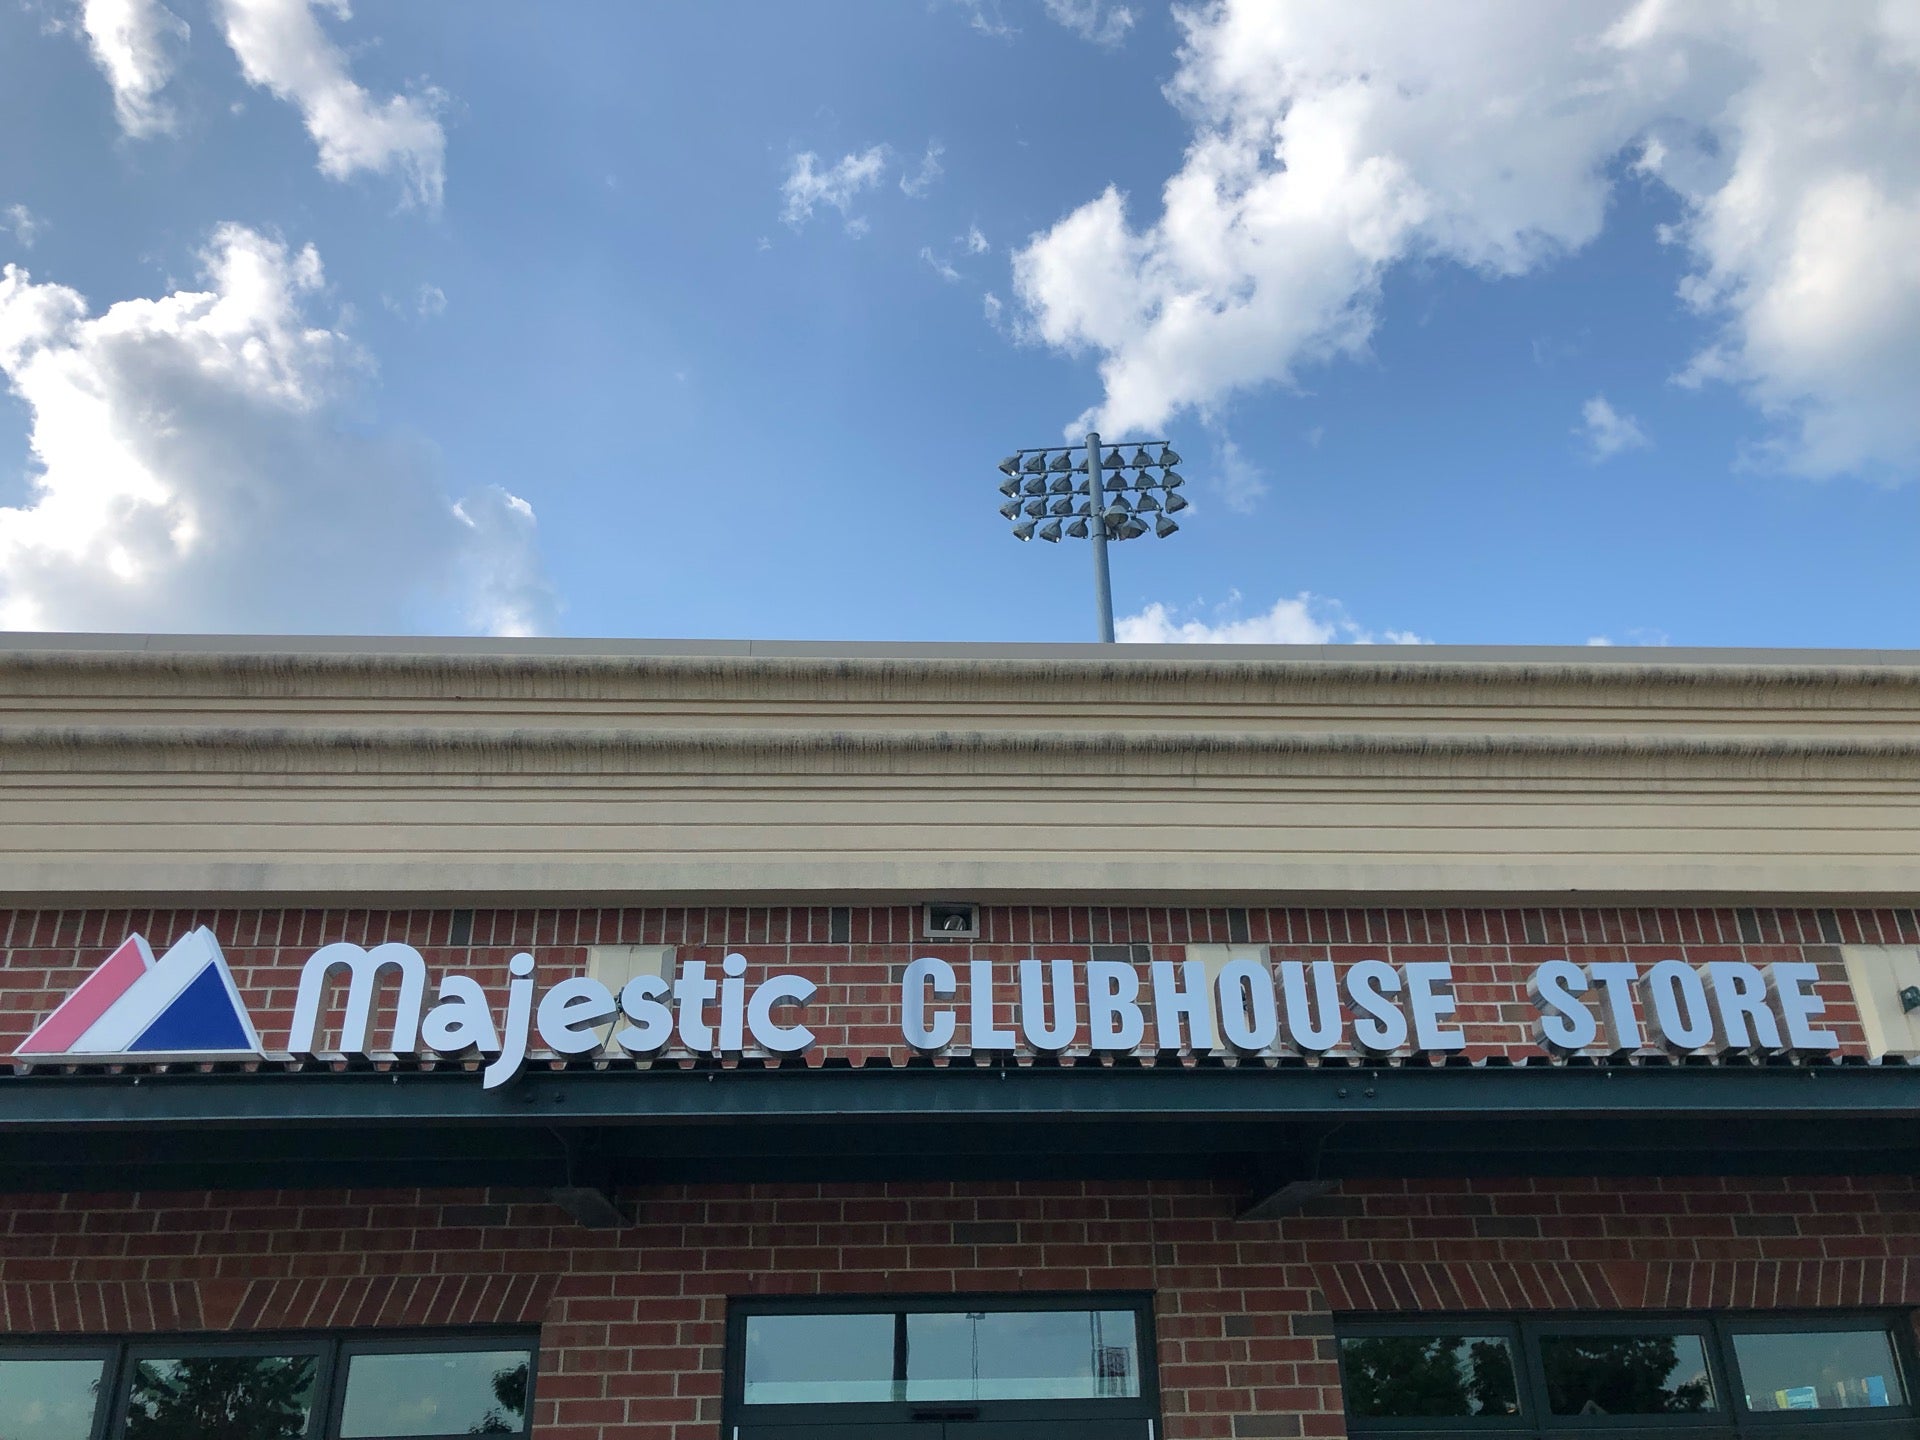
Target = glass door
(942,1368)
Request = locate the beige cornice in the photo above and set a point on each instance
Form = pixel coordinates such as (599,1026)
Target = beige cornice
(202,770)
(280,750)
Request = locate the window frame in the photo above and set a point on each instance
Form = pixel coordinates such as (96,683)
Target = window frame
(1716,1329)
(1145,1407)
(110,1353)
(1899,1335)
(1462,1322)
(331,1349)
(1699,1326)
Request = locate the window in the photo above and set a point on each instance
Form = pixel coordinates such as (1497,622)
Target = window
(1712,1376)
(1047,1360)
(305,1387)
(1457,1374)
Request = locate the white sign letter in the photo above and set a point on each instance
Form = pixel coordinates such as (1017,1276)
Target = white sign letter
(981,1035)
(1739,995)
(928,974)
(1380,1027)
(1566,1026)
(691,992)
(1249,1016)
(513,1047)
(1797,1004)
(1429,1002)
(568,1009)
(1048,1039)
(461,1021)
(1313,1025)
(1677,999)
(1114,1022)
(652,1028)
(1617,981)
(1182,994)
(779,990)
(363,969)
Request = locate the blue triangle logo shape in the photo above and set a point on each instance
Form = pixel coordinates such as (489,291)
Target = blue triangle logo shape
(200,1018)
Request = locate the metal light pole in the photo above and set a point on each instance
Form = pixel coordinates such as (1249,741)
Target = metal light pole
(1102,579)
(1042,492)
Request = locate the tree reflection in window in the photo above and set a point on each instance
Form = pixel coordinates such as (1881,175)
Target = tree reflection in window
(1626,1374)
(221,1397)
(1405,1375)
(508,1415)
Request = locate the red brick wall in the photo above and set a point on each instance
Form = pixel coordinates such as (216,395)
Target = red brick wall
(44,954)
(632,1321)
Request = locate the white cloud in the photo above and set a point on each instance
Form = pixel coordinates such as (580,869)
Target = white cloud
(1634,637)
(426,302)
(1095,20)
(920,180)
(135,43)
(1607,432)
(975,242)
(282,49)
(23,224)
(1332,143)
(986,18)
(192,471)
(943,268)
(807,185)
(1241,482)
(1306,619)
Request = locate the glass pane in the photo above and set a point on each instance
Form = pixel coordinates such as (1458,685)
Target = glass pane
(1818,1370)
(453,1392)
(819,1359)
(1626,1374)
(48,1399)
(221,1397)
(1389,1375)
(1023,1355)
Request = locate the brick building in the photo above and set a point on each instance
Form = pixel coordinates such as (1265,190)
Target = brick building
(1185,1043)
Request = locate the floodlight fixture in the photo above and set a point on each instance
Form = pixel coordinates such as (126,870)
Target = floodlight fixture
(1035,477)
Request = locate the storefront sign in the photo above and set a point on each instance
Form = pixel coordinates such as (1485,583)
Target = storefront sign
(186,1006)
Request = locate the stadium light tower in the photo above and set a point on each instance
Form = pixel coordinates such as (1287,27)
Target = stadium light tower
(1050,492)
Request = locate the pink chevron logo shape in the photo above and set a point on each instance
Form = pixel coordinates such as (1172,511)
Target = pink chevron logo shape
(136,1007)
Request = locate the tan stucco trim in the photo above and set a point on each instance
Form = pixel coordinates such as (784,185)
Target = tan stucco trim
(202,771)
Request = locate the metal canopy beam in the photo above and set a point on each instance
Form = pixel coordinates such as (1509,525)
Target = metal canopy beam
(788,1095)
(599,1129)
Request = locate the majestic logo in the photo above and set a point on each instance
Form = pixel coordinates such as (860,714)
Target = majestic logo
(183,1004)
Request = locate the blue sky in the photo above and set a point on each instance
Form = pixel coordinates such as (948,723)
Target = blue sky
(698,320)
